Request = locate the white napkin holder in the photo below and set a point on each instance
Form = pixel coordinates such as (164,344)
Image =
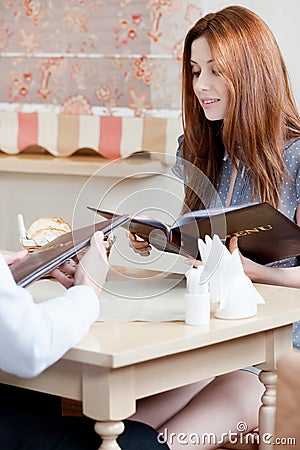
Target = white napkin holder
(197,300)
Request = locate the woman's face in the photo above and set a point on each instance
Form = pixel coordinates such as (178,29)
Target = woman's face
(210,88)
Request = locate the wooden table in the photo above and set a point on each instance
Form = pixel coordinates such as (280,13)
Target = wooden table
(118,363)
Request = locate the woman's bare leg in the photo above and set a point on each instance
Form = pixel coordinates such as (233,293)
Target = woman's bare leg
(158,409)
(224,403)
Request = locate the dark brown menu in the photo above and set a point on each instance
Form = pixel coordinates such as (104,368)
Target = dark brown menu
(264,234)
(53,254)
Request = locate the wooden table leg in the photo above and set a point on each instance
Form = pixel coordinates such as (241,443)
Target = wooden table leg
(109,432)
(267,410)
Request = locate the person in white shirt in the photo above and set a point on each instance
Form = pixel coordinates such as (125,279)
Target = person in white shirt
(33,336)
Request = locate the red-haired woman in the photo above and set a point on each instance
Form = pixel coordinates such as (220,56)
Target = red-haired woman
(242,131)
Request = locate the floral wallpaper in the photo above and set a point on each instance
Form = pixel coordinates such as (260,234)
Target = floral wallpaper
(95,57)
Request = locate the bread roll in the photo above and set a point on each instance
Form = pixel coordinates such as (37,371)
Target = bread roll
(47,229)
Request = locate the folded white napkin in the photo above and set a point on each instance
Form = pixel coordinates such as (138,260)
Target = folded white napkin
(231,290)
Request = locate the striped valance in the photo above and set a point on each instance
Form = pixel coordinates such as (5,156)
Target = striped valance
(63,135)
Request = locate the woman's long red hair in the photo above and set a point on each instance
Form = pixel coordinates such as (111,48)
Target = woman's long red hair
(261,115)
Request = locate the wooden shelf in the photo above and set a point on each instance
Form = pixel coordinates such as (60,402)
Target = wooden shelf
(136,166)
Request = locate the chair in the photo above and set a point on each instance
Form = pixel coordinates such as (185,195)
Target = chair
(71,407)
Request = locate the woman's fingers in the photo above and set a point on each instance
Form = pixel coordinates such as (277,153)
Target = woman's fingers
(139,245)
(11,258)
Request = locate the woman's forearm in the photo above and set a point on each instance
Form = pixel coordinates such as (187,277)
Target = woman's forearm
(289,276)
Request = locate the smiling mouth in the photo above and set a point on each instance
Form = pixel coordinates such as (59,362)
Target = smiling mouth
(210,101)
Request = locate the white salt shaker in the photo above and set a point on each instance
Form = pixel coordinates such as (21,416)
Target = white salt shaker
(197,299)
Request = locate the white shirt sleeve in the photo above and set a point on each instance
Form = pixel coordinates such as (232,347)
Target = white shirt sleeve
(35,335)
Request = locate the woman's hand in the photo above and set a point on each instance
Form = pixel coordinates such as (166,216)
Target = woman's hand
(93,266)
(65,274)
(91,270)
(258,273)
(139,245)
(251,269)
